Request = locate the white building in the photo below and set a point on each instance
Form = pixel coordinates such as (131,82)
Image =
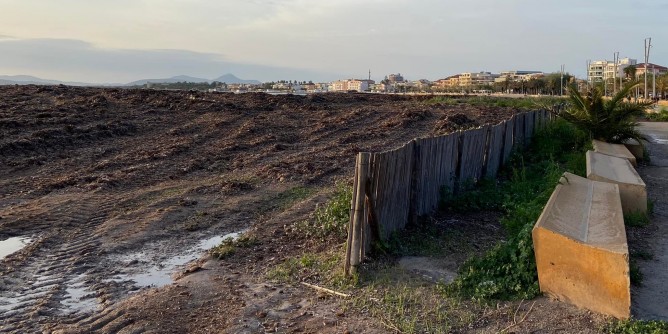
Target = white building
(518,75)
(350,84)
(604,70)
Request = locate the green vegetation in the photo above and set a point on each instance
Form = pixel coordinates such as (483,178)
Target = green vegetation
(636,219)
(635,274)
(612,120)
(660,116)
(332,218)
(525,103)
(508,271)
(324,267)
(230,245)
(637,327)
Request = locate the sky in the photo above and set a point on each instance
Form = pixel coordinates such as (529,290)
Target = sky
(103,41)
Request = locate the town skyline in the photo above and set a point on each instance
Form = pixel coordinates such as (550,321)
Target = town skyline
(271,40)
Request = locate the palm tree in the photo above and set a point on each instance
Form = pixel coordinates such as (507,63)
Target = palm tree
(630,72)
(612,120)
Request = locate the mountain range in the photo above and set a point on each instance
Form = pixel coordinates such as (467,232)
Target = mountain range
(31,80)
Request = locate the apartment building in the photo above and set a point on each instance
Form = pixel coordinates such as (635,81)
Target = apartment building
(518,75)
(350,84)
(651,68)
(467,79)
(604,70)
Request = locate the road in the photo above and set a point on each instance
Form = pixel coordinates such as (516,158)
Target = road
(650,301)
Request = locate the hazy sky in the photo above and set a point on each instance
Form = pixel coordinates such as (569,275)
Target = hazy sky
(125,40)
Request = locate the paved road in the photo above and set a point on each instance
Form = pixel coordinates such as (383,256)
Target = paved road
(650,301)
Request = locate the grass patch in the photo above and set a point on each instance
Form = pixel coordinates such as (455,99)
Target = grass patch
(324,268)
(406,305)
(660,116)
(525,103)
(332,218)
(230,246)
(508,271)
(636,219)
(637,327)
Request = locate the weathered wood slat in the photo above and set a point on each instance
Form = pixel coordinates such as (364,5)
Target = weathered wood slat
(408,181)
(495,152)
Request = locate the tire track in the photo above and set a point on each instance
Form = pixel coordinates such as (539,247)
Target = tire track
(41,288)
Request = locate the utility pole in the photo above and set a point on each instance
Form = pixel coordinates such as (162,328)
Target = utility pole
(648,46)
(562,80)
(588,74)
(653,83)
(615,57)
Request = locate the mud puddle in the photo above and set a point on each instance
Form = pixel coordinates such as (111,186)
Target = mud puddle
(159,272)
(13,245)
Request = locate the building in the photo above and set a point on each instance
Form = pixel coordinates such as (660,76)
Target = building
(604,70)
(469,79)
(652,68)
(518,76)
(350,85)
(394,78)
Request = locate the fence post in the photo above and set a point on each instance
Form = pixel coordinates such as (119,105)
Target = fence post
(354,247)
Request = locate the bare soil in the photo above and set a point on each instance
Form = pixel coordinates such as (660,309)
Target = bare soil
(116,187)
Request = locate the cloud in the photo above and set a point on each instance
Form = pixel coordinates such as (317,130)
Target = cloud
(76,60)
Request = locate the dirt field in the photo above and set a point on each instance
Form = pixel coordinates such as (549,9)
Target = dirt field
(120,191)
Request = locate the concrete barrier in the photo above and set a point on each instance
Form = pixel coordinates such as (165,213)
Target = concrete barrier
(635,148)
(632,189)
(580,245)
(616,150)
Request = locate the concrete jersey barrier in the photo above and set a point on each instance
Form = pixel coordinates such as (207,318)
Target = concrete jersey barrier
(632,189)
(580,246)
(615,150)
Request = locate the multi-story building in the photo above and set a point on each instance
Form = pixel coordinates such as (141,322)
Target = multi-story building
(350,84)
(468,79)
(651,68)
(604,70)
(394,78)
(518,75)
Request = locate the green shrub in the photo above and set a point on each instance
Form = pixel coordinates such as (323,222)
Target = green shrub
(637,327)
(333,217)
(508,271)
(661,116)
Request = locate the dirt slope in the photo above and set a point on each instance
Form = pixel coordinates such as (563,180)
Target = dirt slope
(118,187)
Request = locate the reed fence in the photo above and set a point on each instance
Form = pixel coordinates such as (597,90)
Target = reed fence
(395,187)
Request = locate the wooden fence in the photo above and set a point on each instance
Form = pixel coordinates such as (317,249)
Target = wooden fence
(394,187)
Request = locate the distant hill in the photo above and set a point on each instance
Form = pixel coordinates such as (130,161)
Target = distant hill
(178,78)
(232,79)
(30,80)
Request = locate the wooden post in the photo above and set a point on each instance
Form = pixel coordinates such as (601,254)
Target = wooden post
(358,212)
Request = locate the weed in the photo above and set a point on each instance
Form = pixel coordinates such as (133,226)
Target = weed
(230,245)
(637,327)
(636,219)
(332,218)
(326,267)
(635,274)
(508,271)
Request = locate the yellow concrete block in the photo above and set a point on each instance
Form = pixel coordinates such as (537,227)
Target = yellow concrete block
(632,189)
(580,246)
(616,150)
